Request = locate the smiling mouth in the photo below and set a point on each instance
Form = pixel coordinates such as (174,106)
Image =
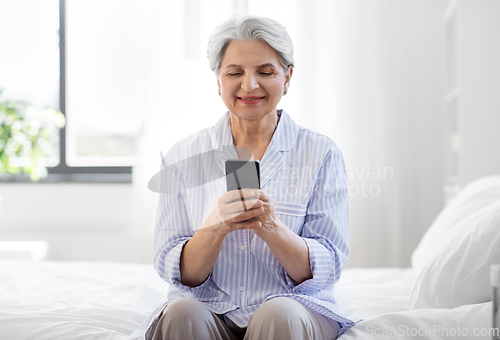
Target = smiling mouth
(250,98)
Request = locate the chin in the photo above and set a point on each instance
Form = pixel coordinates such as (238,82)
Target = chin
(247,114)
(253,112)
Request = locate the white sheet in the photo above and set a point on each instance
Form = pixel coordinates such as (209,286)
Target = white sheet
(78,300)
(367,292)
(381,298)
(70,300)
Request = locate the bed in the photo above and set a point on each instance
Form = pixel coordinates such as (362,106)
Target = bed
(444,295)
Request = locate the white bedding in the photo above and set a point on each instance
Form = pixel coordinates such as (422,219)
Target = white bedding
(380,297)
(70,300)
(82,300)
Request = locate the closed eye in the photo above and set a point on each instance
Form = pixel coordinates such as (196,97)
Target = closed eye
(235,74)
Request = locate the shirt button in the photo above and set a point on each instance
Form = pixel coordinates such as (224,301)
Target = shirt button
(242,288)
(243,247)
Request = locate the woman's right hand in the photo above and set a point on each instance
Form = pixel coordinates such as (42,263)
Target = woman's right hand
(235,210)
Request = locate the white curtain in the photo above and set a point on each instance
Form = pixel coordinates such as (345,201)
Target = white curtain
(367,74)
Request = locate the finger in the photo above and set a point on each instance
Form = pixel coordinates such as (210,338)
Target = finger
(236,195)
(243,216)
(263,196)
(246,215)
(243,199)
(246,225)
(243,195)
(238,206)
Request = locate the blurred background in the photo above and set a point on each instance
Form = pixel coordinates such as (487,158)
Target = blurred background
(409,90)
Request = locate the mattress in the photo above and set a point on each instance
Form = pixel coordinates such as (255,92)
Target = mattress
(99,300)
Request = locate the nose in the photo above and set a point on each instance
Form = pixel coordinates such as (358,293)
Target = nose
(249,83)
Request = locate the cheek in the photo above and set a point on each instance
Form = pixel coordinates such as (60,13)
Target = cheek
(227,93)
(275,86)
(228,87)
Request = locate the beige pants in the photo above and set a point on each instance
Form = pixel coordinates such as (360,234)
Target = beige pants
(278,318)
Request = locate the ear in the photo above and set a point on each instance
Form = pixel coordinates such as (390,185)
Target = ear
(289,73)
(218,85)
(288,76)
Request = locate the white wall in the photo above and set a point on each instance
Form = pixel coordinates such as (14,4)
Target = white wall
(391,70)
(479,87)
(397,54)
(79,221)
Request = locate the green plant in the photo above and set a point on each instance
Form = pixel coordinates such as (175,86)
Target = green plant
(26,137)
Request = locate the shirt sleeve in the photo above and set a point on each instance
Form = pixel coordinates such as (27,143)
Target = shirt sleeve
(173,227)
(326,226)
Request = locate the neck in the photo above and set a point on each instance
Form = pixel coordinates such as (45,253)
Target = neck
(255,134)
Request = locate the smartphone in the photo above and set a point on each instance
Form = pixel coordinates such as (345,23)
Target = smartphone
(242,173)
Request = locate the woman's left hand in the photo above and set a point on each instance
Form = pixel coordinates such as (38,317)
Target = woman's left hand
(290,249)
(269,223)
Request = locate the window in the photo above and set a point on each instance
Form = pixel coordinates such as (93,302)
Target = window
(29,58)
(105,80)
(86,57)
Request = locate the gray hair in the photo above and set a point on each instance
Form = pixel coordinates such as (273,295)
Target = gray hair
(250,28)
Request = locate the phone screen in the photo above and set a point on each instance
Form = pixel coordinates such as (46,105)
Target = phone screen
(242,173)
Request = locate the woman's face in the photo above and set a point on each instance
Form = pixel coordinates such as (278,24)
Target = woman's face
(251,80)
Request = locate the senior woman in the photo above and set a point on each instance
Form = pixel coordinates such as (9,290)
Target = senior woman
(265,269)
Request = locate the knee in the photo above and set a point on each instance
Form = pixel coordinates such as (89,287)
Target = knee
(182,319)
(279,311)
(184,309)
(278,318)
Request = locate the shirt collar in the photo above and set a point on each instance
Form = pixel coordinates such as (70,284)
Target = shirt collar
(283,138)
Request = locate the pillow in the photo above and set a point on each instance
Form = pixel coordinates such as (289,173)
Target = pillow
(459,273)
(471,198)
